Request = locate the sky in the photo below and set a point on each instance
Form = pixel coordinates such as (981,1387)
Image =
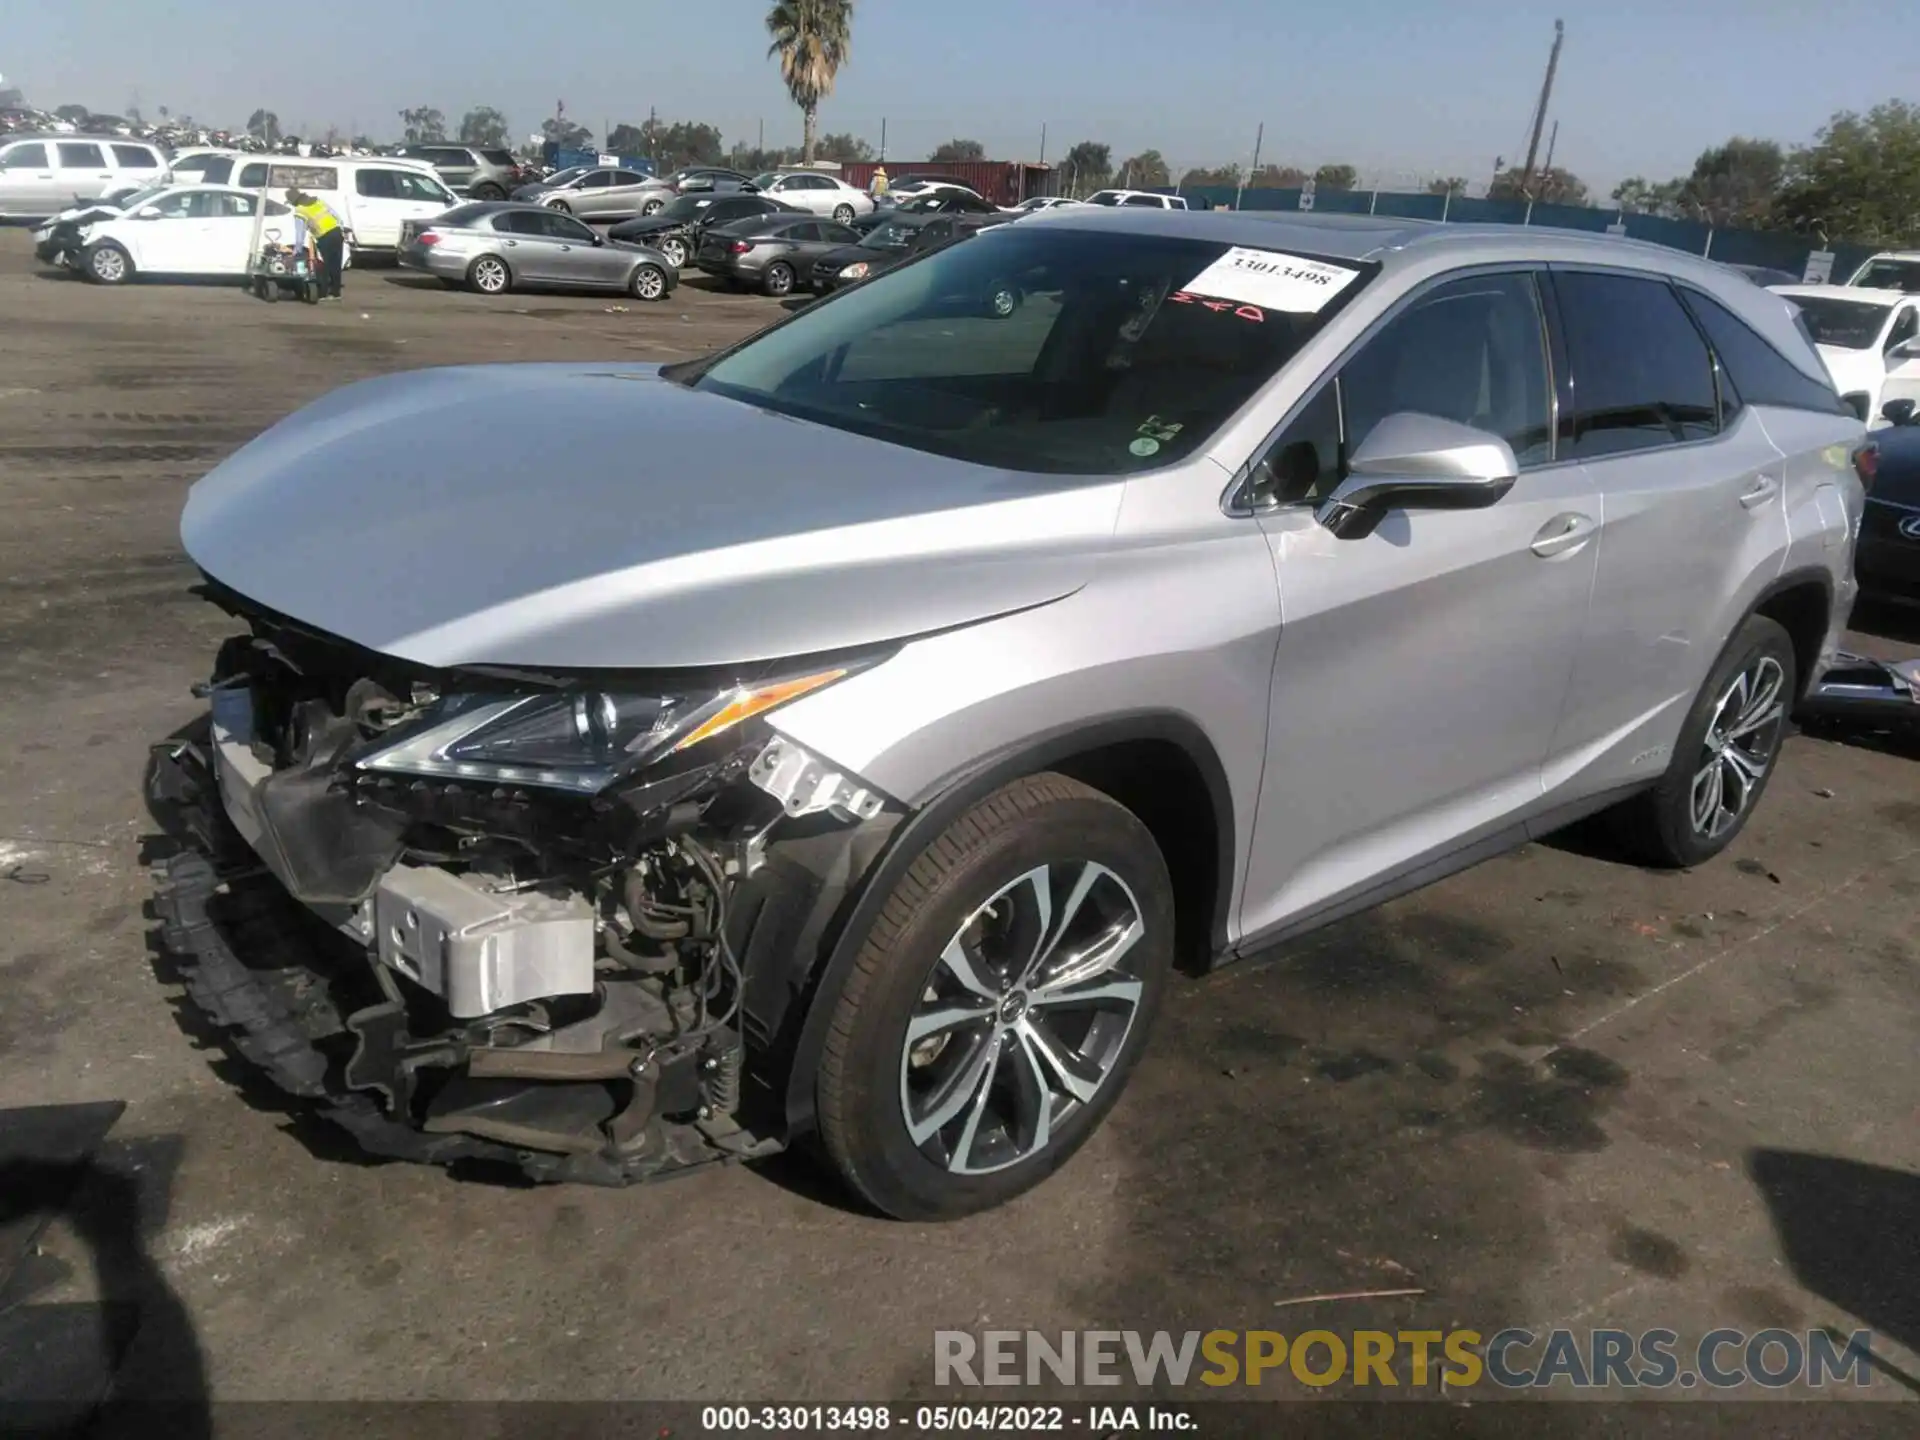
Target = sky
(1396,88)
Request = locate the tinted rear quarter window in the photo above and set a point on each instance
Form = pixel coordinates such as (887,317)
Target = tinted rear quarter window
(497,157)
(1760,374)
(135,157)
(1642,376)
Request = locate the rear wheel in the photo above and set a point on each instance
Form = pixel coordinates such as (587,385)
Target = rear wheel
(487,192)
(675,250)
(108,264)
(562,206)
(998,1003)
(778,279)
(1724,757)
(489,275)
(649,283)
(653,207)
(1002,300)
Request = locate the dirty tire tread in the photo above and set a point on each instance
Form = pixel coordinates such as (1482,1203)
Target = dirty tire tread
(1000,811)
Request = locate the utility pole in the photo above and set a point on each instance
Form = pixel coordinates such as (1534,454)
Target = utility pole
(883,139)
(1553,142)
(1259,138)
(1540,113)
(1043,142)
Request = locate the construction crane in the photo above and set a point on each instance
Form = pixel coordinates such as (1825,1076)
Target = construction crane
(1540,111)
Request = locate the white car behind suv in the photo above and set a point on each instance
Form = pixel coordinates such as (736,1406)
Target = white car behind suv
(822,194)
(1870,340)
(184,230)
(1139,199)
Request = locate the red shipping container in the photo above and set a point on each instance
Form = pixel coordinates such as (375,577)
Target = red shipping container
(1004,182)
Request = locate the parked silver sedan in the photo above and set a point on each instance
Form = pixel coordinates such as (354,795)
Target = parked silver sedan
(495,246)
(600,192)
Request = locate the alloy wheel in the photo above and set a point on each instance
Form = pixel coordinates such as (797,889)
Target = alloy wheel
(1023,1017)
(1742,739)
(649,283)
(676,253)
(109,265)
(489,276)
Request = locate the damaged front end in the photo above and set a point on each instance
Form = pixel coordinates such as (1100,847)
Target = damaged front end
(530,942)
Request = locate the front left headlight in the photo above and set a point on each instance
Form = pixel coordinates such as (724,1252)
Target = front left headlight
(576,740)
(855,271)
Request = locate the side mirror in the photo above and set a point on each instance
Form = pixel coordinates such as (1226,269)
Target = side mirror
(147,212)
(1899,412)
(1905,350)
(1418,462)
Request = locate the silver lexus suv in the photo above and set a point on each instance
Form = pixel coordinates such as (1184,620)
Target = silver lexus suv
(856,758)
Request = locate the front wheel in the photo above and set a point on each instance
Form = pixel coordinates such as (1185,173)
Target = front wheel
(1002,301)
(649,283)
(486,192)
(562,206)
(1724,757)
(653,207)
(999,1001)
(778,279)
(675,251)
(843,214)
(489,275)
(107,264)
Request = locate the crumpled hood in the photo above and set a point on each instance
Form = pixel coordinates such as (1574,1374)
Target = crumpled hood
(597,516)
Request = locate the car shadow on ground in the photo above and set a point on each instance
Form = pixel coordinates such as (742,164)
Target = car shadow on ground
(73,1368)
(1848,1233)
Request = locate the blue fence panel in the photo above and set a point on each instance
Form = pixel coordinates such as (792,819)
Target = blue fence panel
(1776,249)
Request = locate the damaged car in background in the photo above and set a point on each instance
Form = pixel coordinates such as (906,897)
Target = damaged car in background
(844,742)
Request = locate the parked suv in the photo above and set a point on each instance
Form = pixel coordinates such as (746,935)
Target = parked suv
(850,730)
(42,175)
(478,172)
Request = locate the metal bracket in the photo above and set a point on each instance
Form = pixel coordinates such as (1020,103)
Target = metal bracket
(806,785)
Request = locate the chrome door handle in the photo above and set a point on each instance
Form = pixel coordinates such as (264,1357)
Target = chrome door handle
(1563,535)
(1759,492)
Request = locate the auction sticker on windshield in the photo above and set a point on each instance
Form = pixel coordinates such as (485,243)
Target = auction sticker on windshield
(1292,284)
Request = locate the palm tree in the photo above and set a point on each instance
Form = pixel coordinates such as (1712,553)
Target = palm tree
(812,38)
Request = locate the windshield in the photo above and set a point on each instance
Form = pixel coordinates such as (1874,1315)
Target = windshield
(1902,275)
(685,208)
(1844,324)
(765,182)
(1118,351)
(137,198)
(893,236)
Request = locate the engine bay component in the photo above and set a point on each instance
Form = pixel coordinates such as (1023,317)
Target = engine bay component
(477,950)
(806,785)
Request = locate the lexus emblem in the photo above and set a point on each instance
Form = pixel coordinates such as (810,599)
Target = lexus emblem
(1910,527)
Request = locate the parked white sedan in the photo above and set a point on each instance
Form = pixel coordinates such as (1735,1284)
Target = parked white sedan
(810,190)
(184,230)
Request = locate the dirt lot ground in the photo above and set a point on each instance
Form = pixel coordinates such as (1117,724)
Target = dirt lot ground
(1729,1135)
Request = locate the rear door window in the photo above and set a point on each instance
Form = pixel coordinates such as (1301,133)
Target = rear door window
(374,184)
(564,227)
(74,156)
(1642,376)
(25,157)
(1760,374)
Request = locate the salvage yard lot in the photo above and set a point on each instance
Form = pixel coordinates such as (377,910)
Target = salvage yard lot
(1538,1093)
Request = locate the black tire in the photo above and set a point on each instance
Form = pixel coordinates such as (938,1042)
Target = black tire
(486,192)
(675,250)
(489,275)
(652,207)
(843,214)
(1658,827)
(778,279)
(270,291)
(867,1069)
(562,206)
(1003,300)
(107,264)
(649,283)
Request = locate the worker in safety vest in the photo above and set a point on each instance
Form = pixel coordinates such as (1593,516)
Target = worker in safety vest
(879,185)
(329,237)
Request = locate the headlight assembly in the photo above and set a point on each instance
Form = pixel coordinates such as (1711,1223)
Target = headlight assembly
(855,271)
(580,741)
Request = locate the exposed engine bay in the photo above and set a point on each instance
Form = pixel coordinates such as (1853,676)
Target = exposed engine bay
(531,883)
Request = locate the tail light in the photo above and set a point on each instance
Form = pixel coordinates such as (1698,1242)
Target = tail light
(429,237)
(1866,463)
(740,247)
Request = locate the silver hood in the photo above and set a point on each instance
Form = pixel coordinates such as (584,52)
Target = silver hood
(597,516)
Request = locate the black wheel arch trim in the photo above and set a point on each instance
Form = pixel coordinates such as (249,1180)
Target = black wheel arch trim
(846,875)
(1797,579)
